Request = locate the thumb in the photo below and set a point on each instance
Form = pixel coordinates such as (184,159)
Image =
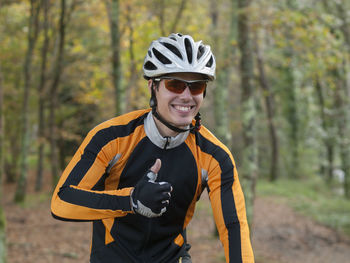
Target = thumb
(156,166)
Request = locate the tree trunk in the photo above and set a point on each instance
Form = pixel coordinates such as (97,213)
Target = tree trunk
(342,102)
(32,37)
(160,8)
(291,114)
(113,15)
(178,16)
(132,69)
(247,106)
(344,141)
(58,68)
(2,214)
(11,164)
(293,120)
(42,97)
(269,103)
(12,160)
(220,92)
(343,93)
(291,103)
(328,139)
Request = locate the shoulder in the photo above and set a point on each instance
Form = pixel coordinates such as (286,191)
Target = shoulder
(131,118)
(209,142)
(211,145)
(126,118)
(122,125)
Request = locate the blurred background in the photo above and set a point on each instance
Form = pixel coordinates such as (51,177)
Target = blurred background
(280,102)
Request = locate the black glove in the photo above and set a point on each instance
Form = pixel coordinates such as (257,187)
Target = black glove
(150,198)
(185,259)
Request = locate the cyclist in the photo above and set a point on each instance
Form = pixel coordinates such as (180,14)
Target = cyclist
(138,176)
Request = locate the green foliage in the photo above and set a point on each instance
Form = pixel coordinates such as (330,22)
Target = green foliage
(302,42)
(313,198)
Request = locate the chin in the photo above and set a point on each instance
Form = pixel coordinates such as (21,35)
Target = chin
(182,123)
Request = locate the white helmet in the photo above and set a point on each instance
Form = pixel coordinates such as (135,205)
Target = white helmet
(178,53)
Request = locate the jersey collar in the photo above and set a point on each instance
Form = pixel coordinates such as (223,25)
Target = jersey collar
(156,138)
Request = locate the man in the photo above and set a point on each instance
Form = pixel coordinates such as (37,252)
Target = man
(138,176)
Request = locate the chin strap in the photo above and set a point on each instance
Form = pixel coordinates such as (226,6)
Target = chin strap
(198,124)
(192,128)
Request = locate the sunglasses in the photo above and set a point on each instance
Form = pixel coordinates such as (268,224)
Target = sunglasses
(179,85)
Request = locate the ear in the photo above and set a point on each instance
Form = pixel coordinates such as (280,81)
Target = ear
(150,84)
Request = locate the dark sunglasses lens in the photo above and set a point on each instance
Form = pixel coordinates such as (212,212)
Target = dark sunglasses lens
(198,87)
(174,85)
(178,86)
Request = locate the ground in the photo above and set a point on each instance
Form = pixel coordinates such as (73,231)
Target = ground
(279,235)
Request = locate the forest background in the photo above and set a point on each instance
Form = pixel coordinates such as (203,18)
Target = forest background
(281,100)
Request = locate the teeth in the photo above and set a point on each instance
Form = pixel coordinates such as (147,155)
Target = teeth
(183,108)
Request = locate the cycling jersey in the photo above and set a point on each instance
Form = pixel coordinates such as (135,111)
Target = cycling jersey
(97,183)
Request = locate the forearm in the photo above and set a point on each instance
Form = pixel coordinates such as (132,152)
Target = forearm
(228,205)
(74,203)
(234,234)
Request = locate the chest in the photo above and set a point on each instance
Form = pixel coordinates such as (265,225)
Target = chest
(179,168)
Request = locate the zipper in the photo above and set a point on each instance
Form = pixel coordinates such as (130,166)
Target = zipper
(167,142)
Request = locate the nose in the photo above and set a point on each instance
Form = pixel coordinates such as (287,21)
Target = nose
(186,93)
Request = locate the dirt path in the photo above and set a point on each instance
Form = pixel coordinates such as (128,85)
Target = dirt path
(291,237)
(280,235)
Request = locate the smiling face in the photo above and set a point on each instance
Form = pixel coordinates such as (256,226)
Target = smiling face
(177,109)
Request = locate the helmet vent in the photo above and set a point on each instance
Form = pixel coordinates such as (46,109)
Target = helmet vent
(150,53)
(150,66)
(201,51)
(161,57)
(188,47)
(172,48)
(210,62)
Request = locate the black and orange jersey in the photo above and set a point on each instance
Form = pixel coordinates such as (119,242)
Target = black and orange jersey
(97,183)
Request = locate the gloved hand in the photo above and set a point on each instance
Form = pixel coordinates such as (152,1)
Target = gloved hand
(150,198)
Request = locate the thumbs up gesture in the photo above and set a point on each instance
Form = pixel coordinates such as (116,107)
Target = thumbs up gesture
(150,198)
(153,171)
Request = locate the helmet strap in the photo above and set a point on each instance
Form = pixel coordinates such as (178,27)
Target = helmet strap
(197,126)
(153,99)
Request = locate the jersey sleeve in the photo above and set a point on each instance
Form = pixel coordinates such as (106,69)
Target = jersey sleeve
(76,196)
(229,210)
